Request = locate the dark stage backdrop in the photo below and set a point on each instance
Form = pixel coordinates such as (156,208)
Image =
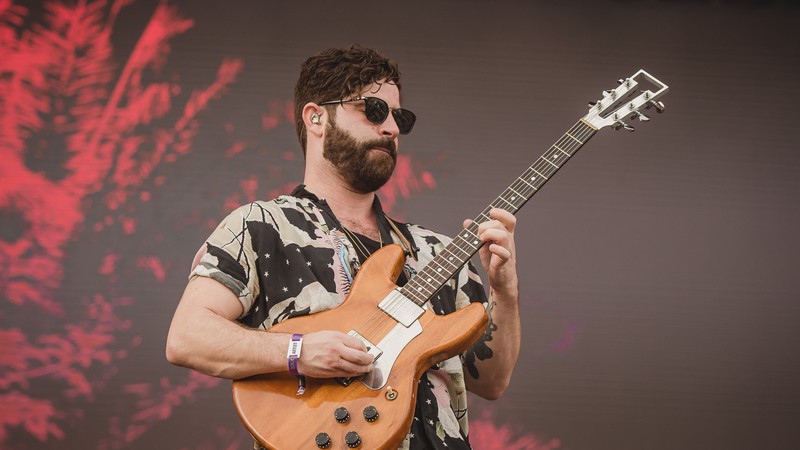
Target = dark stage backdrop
(659,269)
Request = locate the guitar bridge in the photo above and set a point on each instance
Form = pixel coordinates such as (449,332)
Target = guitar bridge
(344,381)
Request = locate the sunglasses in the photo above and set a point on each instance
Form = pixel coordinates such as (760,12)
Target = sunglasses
(377,111)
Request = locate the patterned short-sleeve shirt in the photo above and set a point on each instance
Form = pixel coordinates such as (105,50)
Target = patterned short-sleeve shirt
(289,257)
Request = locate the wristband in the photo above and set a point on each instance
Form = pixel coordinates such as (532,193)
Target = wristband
(293,356)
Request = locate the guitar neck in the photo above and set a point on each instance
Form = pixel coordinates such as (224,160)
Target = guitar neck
(444,266)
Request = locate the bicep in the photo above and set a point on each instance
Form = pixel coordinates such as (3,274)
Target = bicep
(206,294)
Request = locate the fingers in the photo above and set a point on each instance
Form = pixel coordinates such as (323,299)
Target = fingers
(498,230)
(508,220)
(329,354)
(499,219)
(356,356)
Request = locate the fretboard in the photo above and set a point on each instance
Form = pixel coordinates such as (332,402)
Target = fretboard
(444,265)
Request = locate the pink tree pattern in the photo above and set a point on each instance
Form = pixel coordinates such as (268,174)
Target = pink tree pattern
(61,96)
(85,137)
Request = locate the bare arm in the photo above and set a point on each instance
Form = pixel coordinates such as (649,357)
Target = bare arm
(491,360)
(204,336)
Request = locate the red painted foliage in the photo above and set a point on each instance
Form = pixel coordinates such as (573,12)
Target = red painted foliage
(484,434)
(84,135)
(63,92)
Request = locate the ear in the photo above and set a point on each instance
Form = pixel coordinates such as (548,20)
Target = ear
(314,117)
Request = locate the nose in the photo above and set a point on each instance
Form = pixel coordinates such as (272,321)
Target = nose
(389,127)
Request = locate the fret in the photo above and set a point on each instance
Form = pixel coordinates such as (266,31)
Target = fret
(429,279)
(514,191)
(539,173)
(576,139)
(420,288)
(449,262)
(444,266)
(461,250)
(516,188)
(412,295)
(507,202)
(552,164)
(562,150)
(532,186)
(474,243)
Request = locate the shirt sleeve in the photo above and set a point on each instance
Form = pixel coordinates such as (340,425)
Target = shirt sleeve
(469,287)
(229,256)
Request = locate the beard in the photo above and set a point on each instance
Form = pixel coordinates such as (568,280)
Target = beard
(360,165)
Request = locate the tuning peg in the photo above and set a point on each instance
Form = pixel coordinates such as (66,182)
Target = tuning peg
(658,105)
(621,80)
(592,104)
(620,124)
(640,116)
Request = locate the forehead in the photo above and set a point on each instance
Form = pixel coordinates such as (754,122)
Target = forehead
(387,91)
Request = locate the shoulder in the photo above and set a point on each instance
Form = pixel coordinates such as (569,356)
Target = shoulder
(428,236)
(273,211)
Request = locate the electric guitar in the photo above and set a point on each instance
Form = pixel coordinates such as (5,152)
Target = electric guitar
(375,411)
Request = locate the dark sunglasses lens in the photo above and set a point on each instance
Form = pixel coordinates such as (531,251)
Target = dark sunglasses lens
(405,120)
(376,110)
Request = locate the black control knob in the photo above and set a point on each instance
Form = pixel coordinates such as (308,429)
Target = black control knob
(352,439)
(371,414)
(323,440)
(341,415)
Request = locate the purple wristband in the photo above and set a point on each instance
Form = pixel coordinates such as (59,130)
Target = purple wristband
(293,355)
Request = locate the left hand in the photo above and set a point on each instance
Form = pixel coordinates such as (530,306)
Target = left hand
(498,254)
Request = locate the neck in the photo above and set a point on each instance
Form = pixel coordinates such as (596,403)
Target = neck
(352,209)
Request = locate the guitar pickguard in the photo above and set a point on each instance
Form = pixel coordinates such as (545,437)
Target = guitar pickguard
(389,348)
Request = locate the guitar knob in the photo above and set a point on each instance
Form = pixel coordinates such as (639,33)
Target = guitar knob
(352,439)
(370,414)
(341,415)
(323,440)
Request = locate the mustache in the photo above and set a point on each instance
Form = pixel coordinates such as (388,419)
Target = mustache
(387,144)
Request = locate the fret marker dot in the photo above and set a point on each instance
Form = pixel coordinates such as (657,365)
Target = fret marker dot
(475,242)
(533,178)
(513,198)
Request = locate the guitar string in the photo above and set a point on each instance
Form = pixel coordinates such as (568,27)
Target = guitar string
(566,145)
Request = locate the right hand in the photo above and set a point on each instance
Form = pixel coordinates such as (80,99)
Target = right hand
(328,354)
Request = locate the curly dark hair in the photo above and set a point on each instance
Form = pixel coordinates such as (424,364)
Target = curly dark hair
(338,73)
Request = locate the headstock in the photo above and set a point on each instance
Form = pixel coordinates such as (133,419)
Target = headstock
(626,102)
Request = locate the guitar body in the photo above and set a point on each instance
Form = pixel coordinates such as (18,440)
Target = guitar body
(282,420)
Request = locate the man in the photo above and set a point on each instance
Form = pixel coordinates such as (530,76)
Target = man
(298,254)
